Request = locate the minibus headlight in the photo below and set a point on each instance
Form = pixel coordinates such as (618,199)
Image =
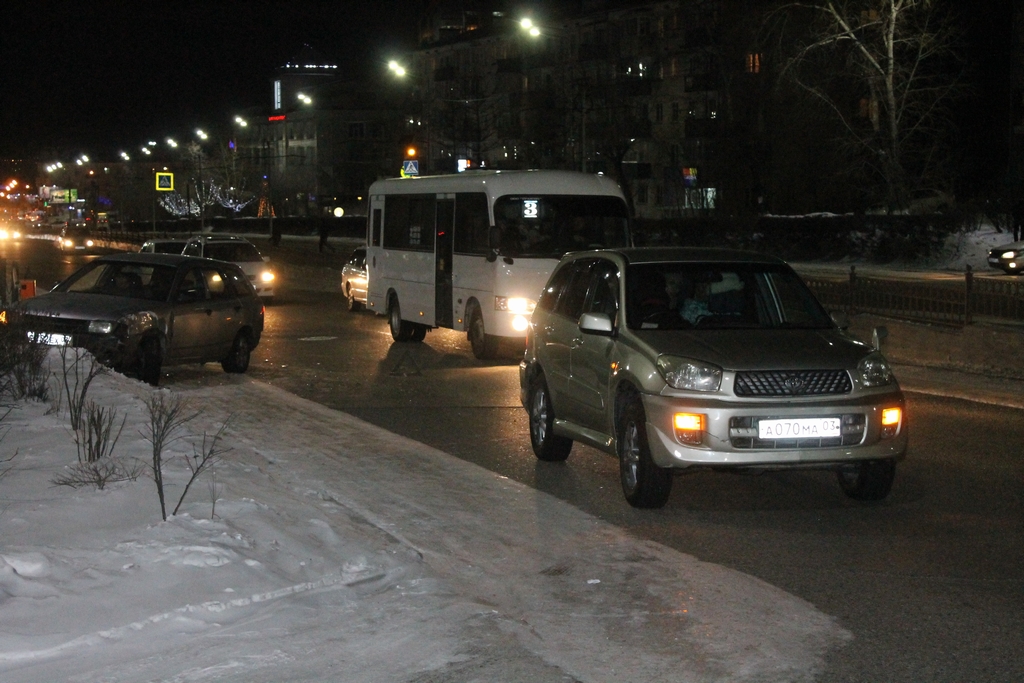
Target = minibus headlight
(514,304)
(267,276)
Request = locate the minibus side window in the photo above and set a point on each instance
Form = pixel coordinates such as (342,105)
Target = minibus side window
(471,223)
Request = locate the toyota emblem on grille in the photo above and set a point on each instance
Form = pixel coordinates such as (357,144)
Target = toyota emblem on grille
(794,384)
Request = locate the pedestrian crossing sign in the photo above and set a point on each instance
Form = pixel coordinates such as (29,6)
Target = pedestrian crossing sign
(165,182)
(410,167)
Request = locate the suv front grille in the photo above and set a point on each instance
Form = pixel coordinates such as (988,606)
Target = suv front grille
(792,382)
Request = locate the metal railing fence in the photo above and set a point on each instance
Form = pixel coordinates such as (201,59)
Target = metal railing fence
(949,301)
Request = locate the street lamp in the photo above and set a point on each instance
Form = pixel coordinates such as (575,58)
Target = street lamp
(241,122)
(397,68)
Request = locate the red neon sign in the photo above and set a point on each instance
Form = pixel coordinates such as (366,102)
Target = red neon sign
(279,117)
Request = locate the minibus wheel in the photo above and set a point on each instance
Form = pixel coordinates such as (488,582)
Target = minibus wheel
(401,330)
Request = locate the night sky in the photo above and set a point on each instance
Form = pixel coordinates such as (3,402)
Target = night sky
(97,76)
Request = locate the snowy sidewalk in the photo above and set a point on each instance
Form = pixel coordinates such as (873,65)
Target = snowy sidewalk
(343,552)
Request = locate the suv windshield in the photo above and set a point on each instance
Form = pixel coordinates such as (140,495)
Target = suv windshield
(681,296)
(551,225)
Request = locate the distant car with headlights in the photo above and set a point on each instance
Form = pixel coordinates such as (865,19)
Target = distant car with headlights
(240,251)
(77,239)
(139,312)
(1009,258)
(164,245)
(9,232)
(682,358)
(353,279)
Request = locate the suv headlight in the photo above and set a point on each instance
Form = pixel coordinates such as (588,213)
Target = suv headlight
(101,327)
(874,371)
(694,375)
(514,304)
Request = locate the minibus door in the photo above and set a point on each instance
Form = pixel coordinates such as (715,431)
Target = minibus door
(443,254)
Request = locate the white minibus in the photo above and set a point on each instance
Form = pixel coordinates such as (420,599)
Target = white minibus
(472,251)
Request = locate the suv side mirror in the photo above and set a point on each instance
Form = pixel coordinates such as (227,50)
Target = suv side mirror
(597,323)
(878,335)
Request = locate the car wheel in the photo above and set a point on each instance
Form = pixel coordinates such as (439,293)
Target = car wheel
(147,365)
(353,305)
(401,330)
(419,333)
(868,480)
(547,445)
(485,346)
(238,359)
(644,484)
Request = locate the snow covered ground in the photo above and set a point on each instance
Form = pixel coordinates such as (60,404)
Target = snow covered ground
(323,548)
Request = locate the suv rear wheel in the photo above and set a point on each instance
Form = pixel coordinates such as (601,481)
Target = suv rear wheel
(547,445)
(644,484)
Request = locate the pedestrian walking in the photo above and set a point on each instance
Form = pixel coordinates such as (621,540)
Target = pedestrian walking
(325,231)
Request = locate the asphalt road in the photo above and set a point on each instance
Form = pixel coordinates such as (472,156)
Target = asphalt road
(929,581)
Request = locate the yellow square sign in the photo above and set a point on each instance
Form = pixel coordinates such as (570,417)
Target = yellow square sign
(165,182)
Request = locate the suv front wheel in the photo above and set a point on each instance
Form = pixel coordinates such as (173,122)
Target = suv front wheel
(644,484)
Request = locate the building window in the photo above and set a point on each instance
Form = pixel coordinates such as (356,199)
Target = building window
(753,62)
(641,193)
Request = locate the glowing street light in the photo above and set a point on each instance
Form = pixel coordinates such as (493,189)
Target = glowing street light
(124,155)
(171,143)
(305,99)
(201,134)
(241,122)
(396,68)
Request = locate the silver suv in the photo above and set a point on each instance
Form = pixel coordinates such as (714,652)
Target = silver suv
(679,358)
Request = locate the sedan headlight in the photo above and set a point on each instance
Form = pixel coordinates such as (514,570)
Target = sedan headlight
(1009,254)
(514,304)
(874,371)
(101,327)
(693,375)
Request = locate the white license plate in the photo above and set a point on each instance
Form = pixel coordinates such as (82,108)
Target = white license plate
(799,428)
(993,260)
(50,339)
